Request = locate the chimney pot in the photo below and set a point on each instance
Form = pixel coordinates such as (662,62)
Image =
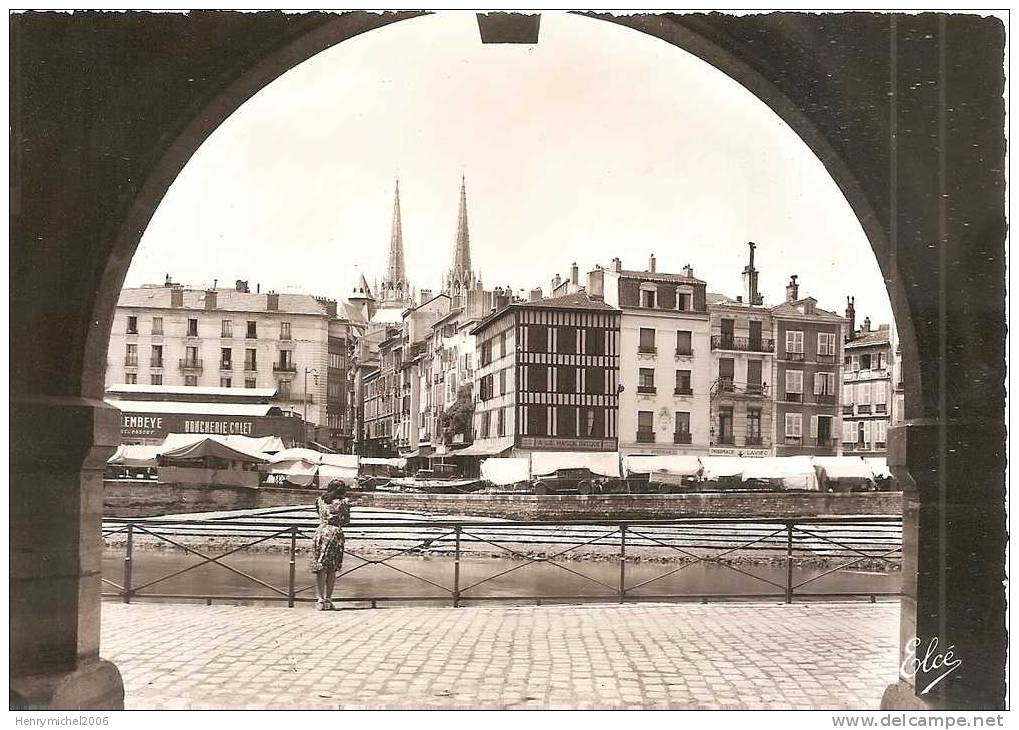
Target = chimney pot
(652,264)
(574,273)
(792,289)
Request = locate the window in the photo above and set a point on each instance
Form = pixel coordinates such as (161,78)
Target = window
(794,381)
(726,374)
(156,360)
(594,381)
(132,325)
(646,380)
(592,422)
(865,362)
(157,325)
(725,435)
(645,426)
(226,358)
(684,301)
(131,378)
(537,338)
(485,388)
(880,393)
(502,384)
(284,330)
(566,379)
(566,421)
(682,422)
(848,432)
(228,329)
(647,340)
(191,357)
(284,389)
(251,359)
(826,343)
(648,296)
(683,386)
(753,426)
(190,380)
(595,341)
(486,353)
(537,420)
(754,385)
(794,341)
(848,394)
(880,433)
(566,340)
(225,382)
(856,363)
(863,394)
(249,382)
(502,344)
(684,343)
(192,328)
(336,360)
(286,360)
(537,378)
(793,425)
(501,429)
(824,384)
(252,333)
(486,424)
(156,379)
(131,356)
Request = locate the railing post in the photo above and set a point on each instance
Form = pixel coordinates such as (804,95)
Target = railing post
(128,556)
(622,563)
(291,581)
(789,563)
(456,568)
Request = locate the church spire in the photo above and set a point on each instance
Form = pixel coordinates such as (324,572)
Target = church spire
(461,277)
(395,287)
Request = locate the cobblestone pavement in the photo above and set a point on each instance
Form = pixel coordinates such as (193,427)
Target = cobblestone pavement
(662,656)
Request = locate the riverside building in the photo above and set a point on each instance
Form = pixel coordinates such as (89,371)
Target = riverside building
(867,386)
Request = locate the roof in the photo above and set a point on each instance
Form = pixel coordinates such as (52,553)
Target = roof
(578,300)
(712,297)
(875,337)
(227,300)
(789,309)
(658,276)
(191,409)
(388,315)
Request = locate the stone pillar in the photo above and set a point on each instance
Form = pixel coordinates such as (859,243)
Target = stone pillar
(59,446)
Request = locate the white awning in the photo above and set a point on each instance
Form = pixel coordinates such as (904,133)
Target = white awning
(488,447)
(328,472)
(879,466)
(129,455)
(196,409)
(505,471)
(844,467)
(716,467)
(674,464)
(398,463)
(604,463)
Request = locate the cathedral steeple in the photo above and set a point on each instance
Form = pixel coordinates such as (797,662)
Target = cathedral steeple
(461,277)
(395,287)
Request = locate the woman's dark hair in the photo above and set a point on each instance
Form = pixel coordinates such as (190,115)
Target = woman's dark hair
(336,488)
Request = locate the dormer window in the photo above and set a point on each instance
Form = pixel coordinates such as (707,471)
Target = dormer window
(649,296)
(684,299)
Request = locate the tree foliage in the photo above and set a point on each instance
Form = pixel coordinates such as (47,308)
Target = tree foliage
(459,417)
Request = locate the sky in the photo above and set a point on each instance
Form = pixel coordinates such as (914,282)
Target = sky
(597,142)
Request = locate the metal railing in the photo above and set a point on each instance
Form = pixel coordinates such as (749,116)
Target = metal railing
(742,344)
(844,543)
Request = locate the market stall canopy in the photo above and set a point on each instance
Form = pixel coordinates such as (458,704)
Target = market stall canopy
(328,472)
(213,446)
(505,471)
(603,463)
(844,467)
(717,467)
(680,465)
(493,448)
(298,472)
(879,467)
(398,463)
(129,455)
(195,409)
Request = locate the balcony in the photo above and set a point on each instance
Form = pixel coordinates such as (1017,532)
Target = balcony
(795,356)
(754,441)
(647,389)
(250,366)
(156,362)
(645,437)
(683,391)
(847,409)
(758,390)
(131,362)
(190,364)
(684,351)
(742,344)
(725,439)
(647,350)
(726,385)
(681,437)
(881,408)
(863,409)
(793,440)
(827,443)
(284,367)
(794,397)
(825,399)
(226,365)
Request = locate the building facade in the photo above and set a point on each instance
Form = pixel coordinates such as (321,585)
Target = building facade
(295,344)
(664,357)
(547,377)
(806,376)
(868,388)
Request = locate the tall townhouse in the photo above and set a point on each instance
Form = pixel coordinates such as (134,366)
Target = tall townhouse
(867,389)
(664,357)
(233,338)
(808,361)
(547,377)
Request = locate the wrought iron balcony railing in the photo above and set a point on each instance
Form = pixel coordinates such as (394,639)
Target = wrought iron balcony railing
(682,437)
(742,344)
(190,364)
(645,437)
(647,389)
(284,367)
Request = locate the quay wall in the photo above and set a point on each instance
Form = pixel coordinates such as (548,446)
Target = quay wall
(134,498)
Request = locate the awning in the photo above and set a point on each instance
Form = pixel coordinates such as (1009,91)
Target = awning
(398,463)
(129,455)
(192,409)
(844,467)
(673,464)
(328,472)
(488,447)
(505,471)
(213,446)
(323,449)
(716,467)
(604,463)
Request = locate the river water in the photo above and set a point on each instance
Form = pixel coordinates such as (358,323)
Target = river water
(428,578)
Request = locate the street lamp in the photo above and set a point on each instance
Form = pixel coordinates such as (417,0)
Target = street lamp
(314,373)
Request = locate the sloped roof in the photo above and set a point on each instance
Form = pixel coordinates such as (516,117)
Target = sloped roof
(228,300)
(875,337)
(576,300)
(788,309)
(658,276)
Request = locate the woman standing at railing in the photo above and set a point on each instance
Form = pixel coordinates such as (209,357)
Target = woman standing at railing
(327,544)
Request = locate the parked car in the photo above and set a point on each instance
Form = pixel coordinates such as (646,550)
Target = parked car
(577,481)
(440,471)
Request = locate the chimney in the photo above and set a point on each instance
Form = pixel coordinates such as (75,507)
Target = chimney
(258,288)
(177,296)
(241,286)
(210,299)
(616,265)
(556,281)
(330,307)
(882,328)
(688,271)
(534,295)
(168,282)
(215,283)
(866,324)
(792,289)
(574,273)
(851,316)
(272,302)
(651,267)
(750,279)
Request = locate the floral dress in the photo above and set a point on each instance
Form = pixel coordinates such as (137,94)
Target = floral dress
(327,544)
